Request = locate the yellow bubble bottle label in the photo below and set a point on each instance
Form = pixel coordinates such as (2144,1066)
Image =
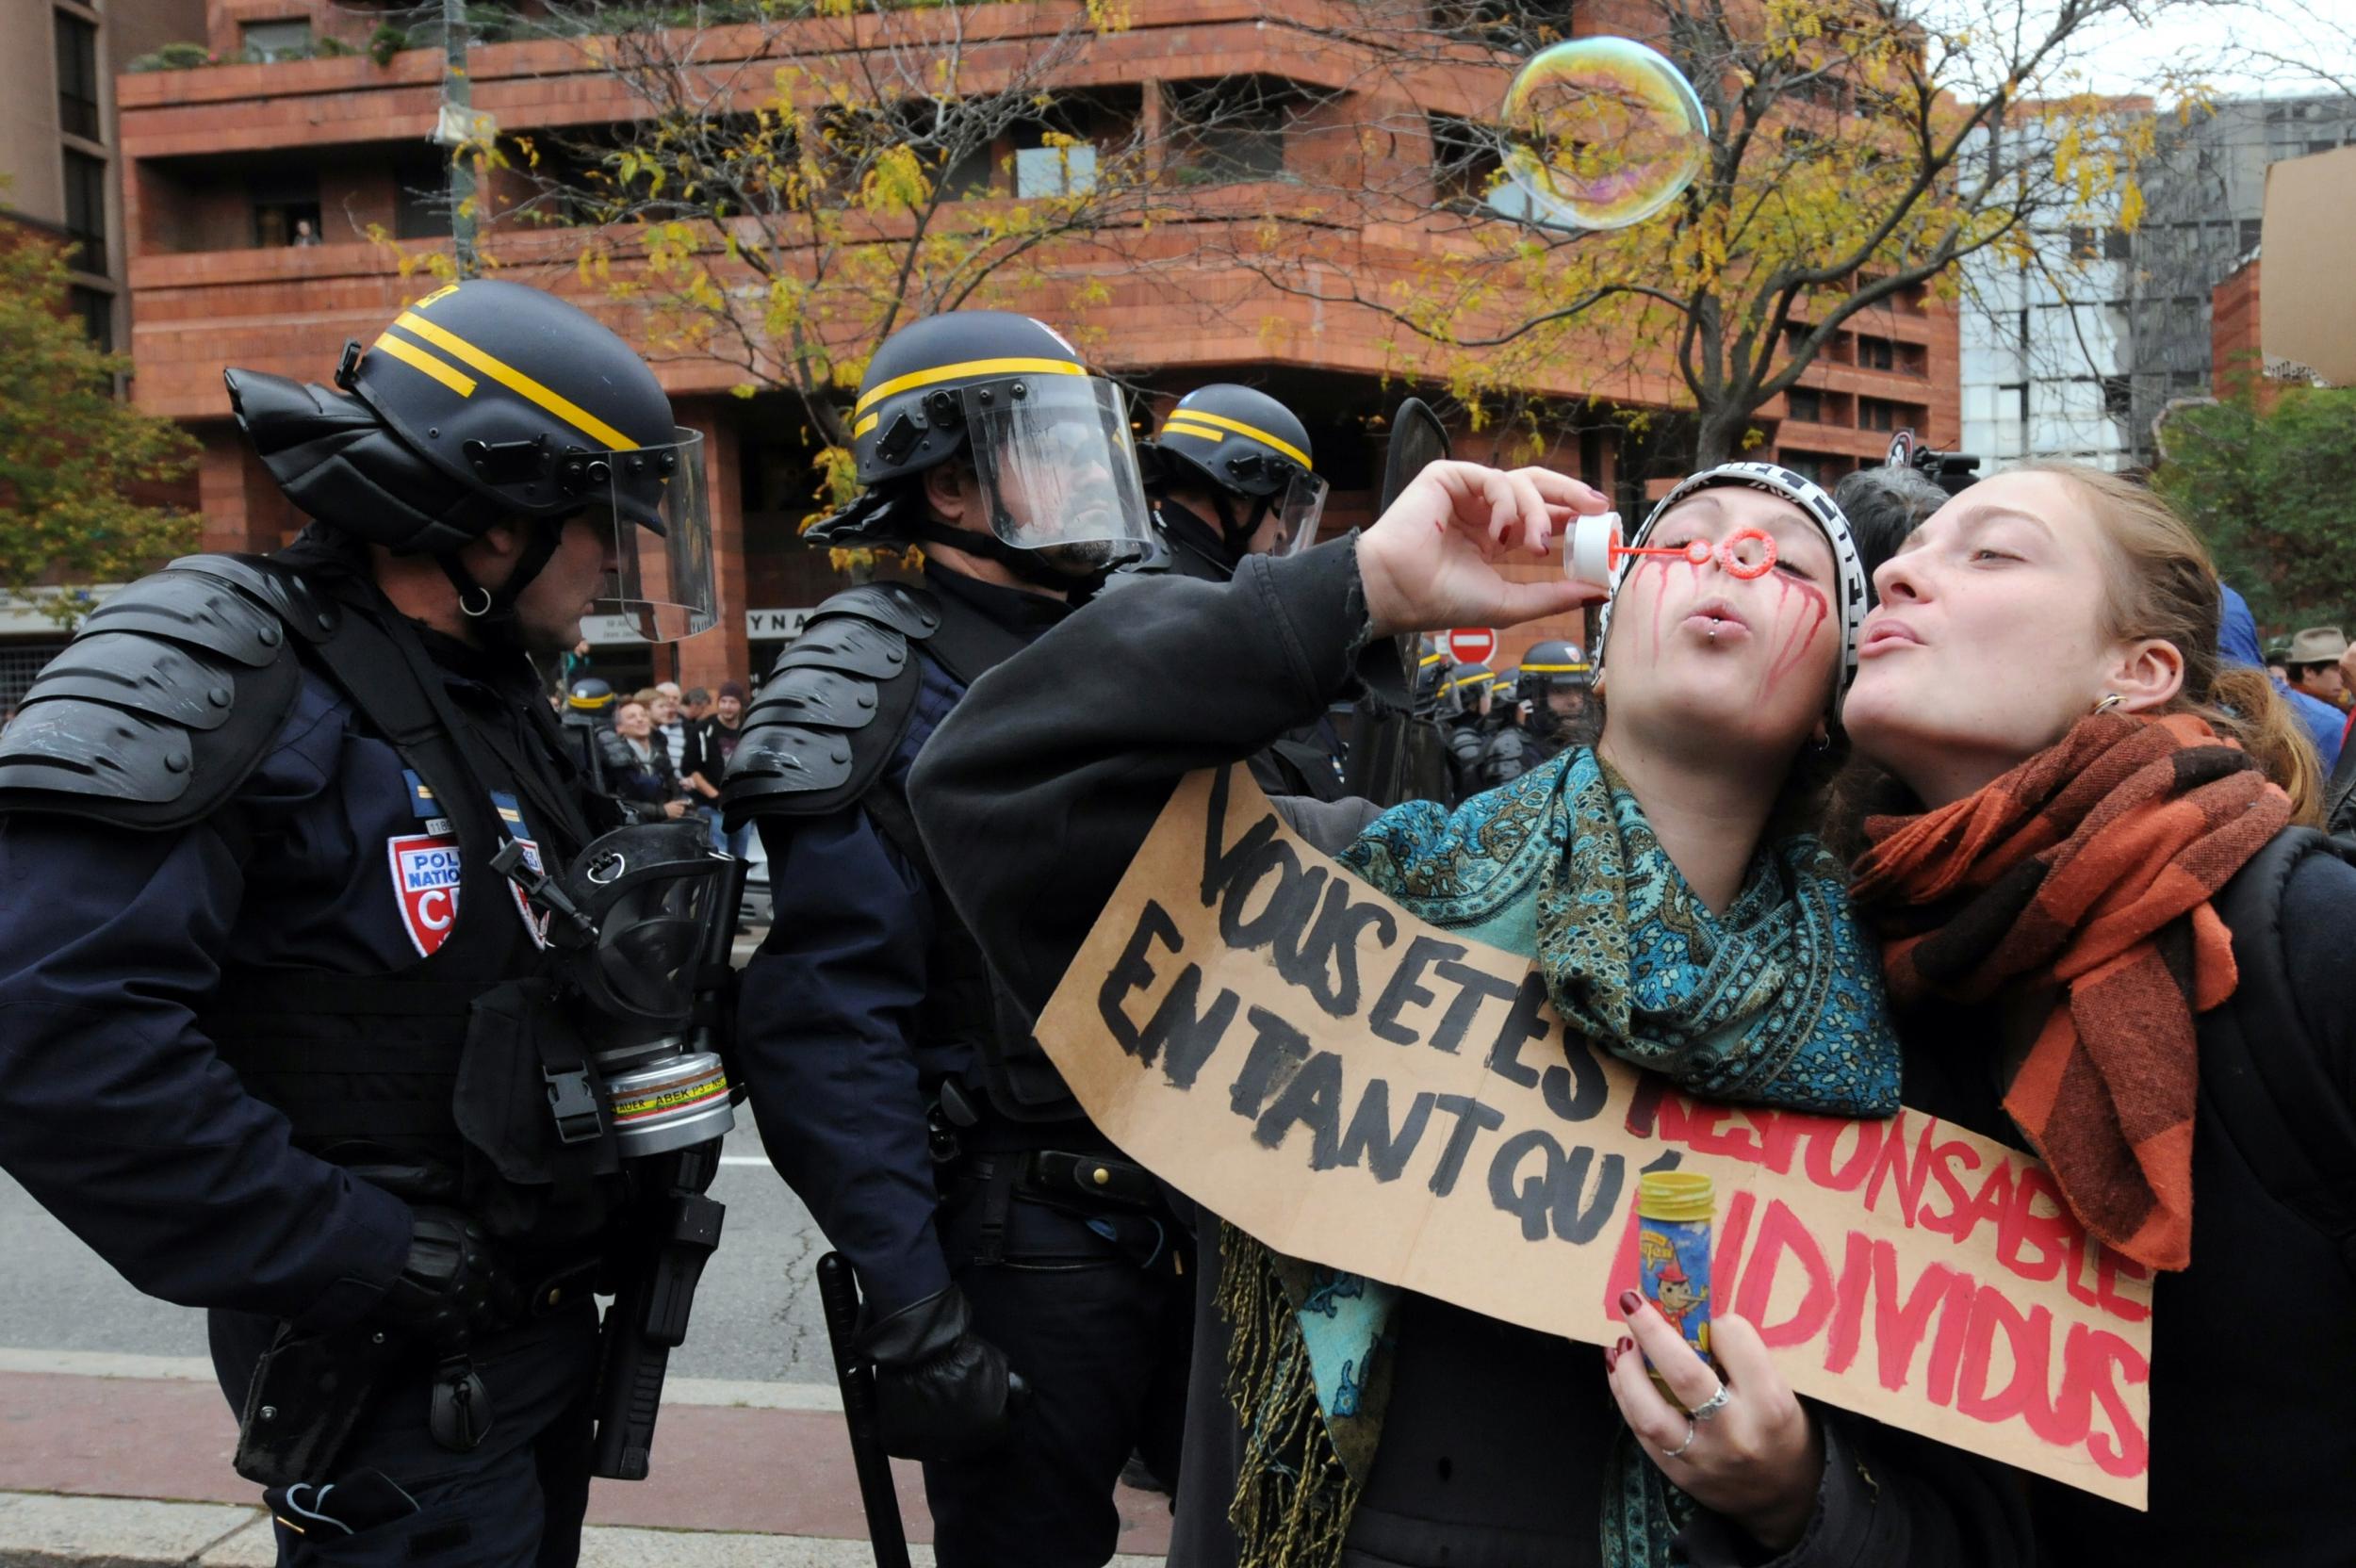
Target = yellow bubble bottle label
(1674,1209)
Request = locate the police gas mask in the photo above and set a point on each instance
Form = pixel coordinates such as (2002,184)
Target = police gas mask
(641,924)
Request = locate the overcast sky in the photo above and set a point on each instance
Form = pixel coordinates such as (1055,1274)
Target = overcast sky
(2129,56)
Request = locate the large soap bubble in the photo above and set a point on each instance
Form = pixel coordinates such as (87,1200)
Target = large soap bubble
(1600,133)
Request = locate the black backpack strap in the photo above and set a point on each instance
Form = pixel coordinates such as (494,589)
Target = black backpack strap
(2282,1104)
(2339,796)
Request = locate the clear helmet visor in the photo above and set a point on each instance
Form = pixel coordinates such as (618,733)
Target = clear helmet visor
(1055,464)
(1296,511)
(659,507)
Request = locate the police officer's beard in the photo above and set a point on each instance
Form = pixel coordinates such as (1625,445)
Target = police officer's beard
(1084,559)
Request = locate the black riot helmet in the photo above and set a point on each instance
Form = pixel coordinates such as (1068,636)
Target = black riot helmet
(1049,442)
(487,402)
(1251,452)
(1554,665)
(590,696)
(1461,693)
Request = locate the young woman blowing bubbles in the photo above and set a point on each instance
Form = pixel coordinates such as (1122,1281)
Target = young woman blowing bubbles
(1627,870)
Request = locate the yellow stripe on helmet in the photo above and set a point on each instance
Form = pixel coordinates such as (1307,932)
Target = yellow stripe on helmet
(1556,669)
(1200,433)
(864,425)
(1223,423)
(515,382)
(969,368)
(418,359)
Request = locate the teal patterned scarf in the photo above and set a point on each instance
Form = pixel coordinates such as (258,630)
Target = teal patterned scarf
(1778,1000)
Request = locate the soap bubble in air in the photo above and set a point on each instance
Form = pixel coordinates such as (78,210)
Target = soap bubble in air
(1600,133)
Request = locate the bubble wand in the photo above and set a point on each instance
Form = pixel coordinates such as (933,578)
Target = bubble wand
(1596,549)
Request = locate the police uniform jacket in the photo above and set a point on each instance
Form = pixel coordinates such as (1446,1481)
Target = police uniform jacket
(867,995)
(126,953)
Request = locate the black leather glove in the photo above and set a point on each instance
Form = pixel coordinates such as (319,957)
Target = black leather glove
(941,1393)
(454,1285)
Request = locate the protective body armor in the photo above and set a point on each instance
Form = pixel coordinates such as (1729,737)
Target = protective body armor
(434,1080)
(821,735)
(1508,756)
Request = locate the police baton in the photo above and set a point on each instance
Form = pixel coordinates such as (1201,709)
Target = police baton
(838,1293)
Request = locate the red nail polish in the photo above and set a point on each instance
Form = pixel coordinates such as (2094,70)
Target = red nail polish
(1629,1301)
(1611,1358)
(1626,1345)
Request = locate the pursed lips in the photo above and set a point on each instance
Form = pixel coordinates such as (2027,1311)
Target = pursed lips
(1717,609)
(1890,632)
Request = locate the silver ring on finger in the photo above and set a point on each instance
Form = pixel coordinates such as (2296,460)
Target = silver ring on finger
(1708,1410)
(1692,1430)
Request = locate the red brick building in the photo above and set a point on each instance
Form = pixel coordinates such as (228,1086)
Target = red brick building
(224,162)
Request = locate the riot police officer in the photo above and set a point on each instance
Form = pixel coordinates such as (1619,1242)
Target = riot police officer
(1230,475)
(1023,1309)
(1556,679)
(1465,702)
(283,1041)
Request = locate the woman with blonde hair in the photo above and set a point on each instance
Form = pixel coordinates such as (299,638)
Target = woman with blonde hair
(2112,942)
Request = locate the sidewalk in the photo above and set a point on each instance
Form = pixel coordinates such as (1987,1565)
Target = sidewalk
(107,1470)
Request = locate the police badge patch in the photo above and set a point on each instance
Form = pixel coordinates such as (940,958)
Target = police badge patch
(425,881)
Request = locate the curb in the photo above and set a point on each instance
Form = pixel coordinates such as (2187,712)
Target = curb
(43,1529)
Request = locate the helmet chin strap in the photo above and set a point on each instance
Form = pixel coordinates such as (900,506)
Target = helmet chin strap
(492,612)
(1239,535)
(1198,534)
(1023,564)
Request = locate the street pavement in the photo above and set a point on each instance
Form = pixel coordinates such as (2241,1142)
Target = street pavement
(115,1443)
(756,1314)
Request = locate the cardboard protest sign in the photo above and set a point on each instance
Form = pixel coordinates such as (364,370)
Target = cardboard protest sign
(1353,1087)
(2304,326)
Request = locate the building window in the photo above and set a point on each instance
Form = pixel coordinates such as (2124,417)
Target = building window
(77,77)
(1056,152)
(285,209)
(1232,129)
(2253,229)
(1876,414)
(421,199)
(2118,397)
(1874,354)
(96,312)
(278,41)
(2082,243)
(1055,170)
(1805,404)
(2117,245)
(1465,161)
(2012,402)
(86,209)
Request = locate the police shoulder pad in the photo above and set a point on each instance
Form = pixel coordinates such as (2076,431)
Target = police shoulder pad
(165,700)
(829,716)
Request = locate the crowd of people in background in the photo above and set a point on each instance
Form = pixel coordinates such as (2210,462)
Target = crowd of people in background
(2309,668)
(658,746)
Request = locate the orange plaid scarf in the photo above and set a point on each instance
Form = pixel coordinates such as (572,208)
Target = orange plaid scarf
(2089,868)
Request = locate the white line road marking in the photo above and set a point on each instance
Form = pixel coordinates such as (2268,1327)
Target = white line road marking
(729,1392)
